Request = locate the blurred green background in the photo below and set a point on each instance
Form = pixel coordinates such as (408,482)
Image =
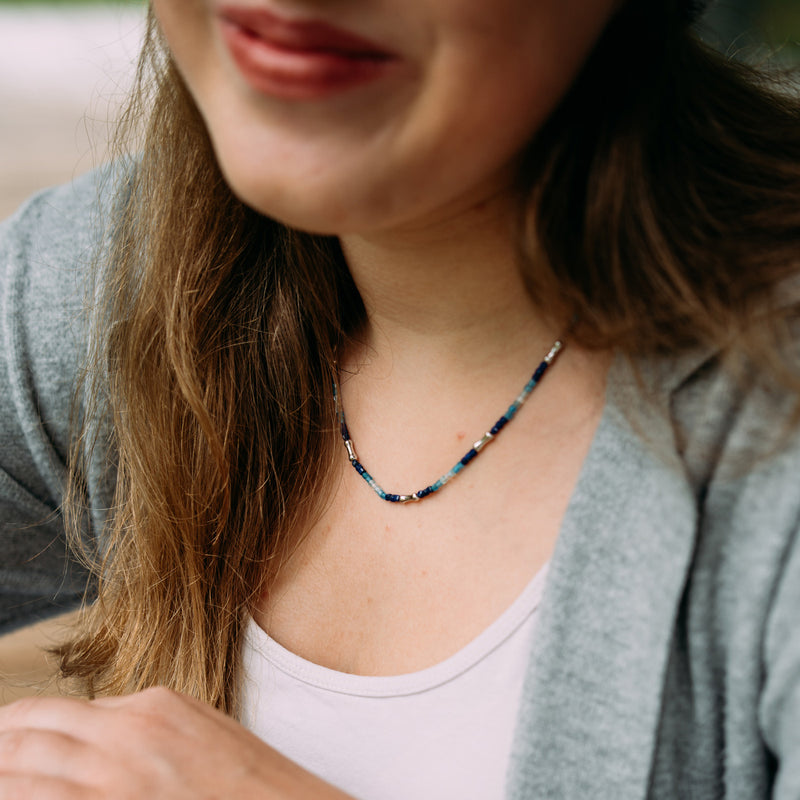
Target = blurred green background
(754,29)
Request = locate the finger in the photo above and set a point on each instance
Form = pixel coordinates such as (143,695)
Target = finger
(50,713)
(52,754)
(160,701)
(122,724)
(26,787)
(156,696)
(103,728)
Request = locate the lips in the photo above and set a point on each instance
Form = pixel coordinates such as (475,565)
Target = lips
(299,60)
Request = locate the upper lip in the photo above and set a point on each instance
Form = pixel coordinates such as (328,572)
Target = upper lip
(301,35)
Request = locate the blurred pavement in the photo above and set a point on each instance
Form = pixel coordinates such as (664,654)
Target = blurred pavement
(64,71)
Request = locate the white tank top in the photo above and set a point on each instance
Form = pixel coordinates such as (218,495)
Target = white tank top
(440,733)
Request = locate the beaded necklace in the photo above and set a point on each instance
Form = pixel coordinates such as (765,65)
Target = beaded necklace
(465,459)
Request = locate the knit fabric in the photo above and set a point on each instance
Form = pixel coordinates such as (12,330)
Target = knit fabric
(667,657)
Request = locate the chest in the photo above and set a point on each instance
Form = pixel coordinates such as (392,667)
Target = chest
(376,588)
(445,731)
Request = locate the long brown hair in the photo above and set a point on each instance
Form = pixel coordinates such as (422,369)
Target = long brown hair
(660,204)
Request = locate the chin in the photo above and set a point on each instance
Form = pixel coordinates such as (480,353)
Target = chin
(278,197)
(328,207)
(302,214)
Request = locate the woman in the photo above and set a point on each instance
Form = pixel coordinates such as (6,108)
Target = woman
(354,231)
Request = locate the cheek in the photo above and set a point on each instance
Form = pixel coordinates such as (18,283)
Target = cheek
(488,107)
(188,30)
(186,26)
(482,86)
(531,48)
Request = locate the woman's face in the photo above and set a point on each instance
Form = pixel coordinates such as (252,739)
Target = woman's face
(342,116)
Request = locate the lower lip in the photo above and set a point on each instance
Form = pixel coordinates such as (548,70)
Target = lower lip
(296,74)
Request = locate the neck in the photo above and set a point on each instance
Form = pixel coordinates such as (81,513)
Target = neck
(447,292)
(451,338)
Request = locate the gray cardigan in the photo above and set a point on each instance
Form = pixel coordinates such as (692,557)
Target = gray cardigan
(667,657)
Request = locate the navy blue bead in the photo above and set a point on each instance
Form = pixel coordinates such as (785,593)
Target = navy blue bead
(499,425)
(469,456)
(466,458)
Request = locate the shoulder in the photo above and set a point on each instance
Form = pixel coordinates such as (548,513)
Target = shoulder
(737,436)
(738,440)
(56,221)
(52,239)
(47,249)
(728,421)
(736,626)
(47,252)
(725,437)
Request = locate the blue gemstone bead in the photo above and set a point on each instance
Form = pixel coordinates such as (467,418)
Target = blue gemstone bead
(466,458)
(499,425)
(469,456)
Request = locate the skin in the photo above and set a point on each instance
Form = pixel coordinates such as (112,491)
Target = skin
(154,744)
(413,174)
(423,143)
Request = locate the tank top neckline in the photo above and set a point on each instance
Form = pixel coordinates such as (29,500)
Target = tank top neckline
(503,628)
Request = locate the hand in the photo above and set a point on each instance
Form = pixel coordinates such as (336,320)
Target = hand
(155,744)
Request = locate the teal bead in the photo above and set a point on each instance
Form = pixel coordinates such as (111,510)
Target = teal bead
(466,459)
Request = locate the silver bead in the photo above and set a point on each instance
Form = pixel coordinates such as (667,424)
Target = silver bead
(554,351)
(409,498)
(483,441)
(351,450)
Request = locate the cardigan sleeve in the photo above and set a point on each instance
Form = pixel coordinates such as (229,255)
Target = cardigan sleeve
(45,253)
(779,710)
